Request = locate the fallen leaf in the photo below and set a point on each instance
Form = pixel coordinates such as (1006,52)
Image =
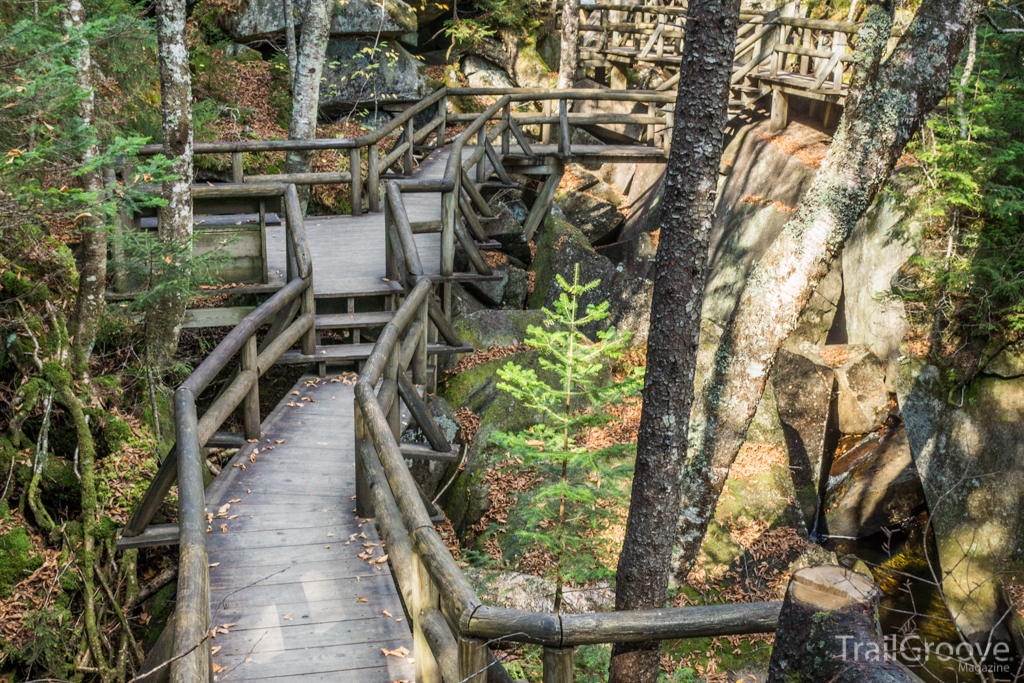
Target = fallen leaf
(288,617)
(217,668)
(362,600)
(215,649)
(223,528)
(387,613)
(215,564)
(235,500)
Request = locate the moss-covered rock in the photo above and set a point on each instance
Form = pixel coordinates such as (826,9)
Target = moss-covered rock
(487,328)
(560,247)
(970,456)
(17,558)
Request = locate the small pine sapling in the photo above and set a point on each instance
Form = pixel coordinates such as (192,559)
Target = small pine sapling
(567,511)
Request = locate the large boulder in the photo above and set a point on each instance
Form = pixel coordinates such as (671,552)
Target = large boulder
(970,455)
(259,19)
(877,248)
(486,328)
(356,71)
(430,474)
(597,218)
(804,391)
(560,247)
(483,74)
(872,486)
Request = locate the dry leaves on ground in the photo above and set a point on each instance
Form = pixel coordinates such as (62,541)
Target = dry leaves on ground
(469,423)
(476,358)
(505,480)
(757,458)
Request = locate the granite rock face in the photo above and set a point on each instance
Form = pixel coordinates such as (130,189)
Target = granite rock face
(970,456)
(265,18)
(356,71)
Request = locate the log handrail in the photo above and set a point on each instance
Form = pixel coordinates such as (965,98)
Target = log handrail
(186,462)
(451,625)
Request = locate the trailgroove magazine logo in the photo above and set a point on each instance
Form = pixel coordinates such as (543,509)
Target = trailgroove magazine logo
(912,650)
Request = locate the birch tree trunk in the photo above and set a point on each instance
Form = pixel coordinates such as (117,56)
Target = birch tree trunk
(92,278)
(886,106)
(316,26)
(569,58)
(163,320)
(691,178)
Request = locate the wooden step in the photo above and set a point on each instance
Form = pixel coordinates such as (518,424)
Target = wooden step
(347,353)
(347,321)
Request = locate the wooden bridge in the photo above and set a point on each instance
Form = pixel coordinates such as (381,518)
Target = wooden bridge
(313,554)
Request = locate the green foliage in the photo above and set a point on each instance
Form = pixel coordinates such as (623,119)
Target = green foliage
(968,283)
(570,508)
(486,17)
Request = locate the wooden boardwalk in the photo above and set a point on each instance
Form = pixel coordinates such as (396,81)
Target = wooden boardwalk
(285,570)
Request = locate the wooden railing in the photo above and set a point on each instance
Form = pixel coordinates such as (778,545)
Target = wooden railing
(397,163)
(291,312)
(769,44)
(452,628)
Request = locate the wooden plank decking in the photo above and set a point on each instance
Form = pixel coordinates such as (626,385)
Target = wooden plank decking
(286,571)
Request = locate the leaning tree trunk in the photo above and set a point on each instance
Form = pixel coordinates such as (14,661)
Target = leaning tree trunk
(92,277)
(886,106)
(163,320)
(828,631)
(691,177)
(569,58)
(316,25)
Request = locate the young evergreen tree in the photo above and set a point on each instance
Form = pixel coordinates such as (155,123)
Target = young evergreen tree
(565,512)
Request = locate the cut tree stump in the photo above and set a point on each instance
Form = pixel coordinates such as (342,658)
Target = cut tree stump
(828,632)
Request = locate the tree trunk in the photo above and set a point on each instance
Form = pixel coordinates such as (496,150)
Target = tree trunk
(569,58)
(828,631)
(886,106)
(691,178)
(316,25)
(163,320)
(289,37)
(92,278)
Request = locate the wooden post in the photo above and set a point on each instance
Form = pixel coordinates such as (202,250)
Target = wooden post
(237,167)
(373,178)
(419,361)
(839,47)
(395,411)
(805,61)
(410,132)
(564,140)
(506,135)
(424,596)
(558,664)
(545,128)
(442,111)
(251,405)
(472,660)
(831,114)
(364,501)
(356,171)
(652,110)
(481,166)
(309,306)
(666,138)
(780,109)
(449,205)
